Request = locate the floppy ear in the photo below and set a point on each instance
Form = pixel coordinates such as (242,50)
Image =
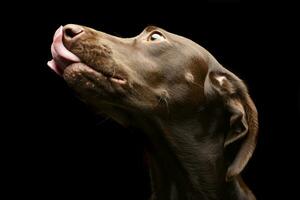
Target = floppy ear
(243,116)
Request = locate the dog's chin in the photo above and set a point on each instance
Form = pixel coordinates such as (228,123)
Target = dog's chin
(93,87)
(81,73)
(75,70)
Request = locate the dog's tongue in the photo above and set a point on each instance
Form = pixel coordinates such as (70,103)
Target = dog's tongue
(62,57)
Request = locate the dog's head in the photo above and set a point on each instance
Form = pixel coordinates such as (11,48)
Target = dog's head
(143,73)
(156,73)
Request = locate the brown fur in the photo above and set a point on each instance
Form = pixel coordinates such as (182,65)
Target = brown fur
(199,119)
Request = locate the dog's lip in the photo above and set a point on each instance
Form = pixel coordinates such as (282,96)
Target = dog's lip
(119,81)
(113,77)
(61,56)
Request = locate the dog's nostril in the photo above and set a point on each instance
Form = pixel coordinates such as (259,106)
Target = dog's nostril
(71,31)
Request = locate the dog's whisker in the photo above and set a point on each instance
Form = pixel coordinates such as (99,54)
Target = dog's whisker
(114,71)
(164,101)
(167,105)
(197,84)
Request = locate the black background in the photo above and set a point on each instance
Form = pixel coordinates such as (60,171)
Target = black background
(56,147)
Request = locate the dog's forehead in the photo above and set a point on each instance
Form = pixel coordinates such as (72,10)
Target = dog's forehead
(150,28)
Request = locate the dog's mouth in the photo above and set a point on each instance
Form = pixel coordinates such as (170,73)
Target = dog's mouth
(62,58)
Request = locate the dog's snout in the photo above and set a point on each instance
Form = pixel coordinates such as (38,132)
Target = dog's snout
(71,31)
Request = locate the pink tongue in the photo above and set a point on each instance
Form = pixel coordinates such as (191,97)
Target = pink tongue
(61,55)
(54,67)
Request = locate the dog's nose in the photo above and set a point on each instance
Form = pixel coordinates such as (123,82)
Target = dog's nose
(71,31)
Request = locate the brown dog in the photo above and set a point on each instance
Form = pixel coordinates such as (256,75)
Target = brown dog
(198,117)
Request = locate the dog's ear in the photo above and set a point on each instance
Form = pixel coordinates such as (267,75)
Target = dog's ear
(243,116)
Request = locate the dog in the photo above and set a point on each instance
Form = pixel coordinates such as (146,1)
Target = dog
(198,117)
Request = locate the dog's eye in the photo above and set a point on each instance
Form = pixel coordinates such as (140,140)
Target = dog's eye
(156,36)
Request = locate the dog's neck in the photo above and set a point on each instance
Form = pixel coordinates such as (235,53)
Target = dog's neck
(186,157)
